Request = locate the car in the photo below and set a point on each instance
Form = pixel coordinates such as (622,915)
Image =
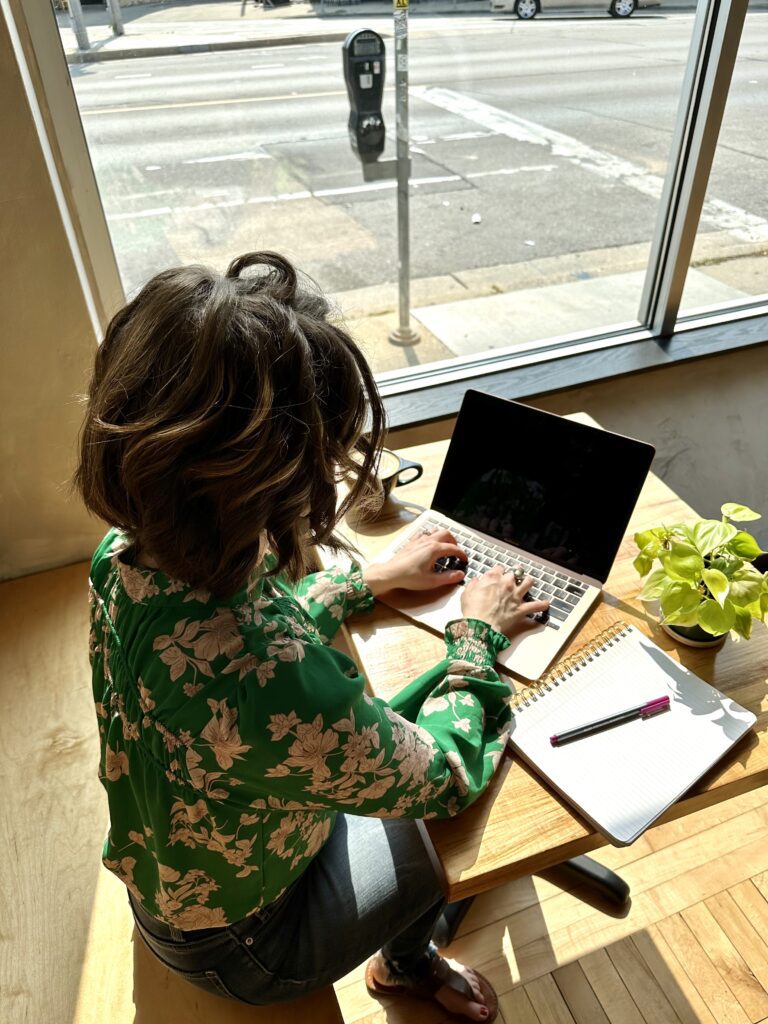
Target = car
(527,9)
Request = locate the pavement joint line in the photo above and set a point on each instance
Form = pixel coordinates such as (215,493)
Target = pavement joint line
(93,111)
(94,56)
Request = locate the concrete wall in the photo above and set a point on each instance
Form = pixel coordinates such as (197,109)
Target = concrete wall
(47,341)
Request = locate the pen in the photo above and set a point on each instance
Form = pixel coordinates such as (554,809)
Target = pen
(651,707)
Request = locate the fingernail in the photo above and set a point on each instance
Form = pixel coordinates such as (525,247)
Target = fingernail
(484,1012)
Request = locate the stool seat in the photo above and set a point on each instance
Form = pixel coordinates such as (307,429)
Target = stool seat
(122,982)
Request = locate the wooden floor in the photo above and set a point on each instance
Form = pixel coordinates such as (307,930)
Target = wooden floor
(693,947)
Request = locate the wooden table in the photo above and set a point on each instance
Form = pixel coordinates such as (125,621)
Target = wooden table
(519,825)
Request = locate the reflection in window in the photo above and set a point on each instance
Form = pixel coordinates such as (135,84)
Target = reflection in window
(732,239)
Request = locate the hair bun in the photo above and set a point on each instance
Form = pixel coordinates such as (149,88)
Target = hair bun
(280,278)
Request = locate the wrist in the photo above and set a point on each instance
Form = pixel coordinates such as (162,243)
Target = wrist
(377,579)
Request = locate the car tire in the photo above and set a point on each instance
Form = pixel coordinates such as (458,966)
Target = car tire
(527,9)
(622,8)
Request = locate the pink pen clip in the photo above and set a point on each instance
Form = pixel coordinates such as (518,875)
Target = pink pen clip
(659,704)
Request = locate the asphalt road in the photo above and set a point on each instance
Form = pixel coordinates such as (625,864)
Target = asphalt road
(555,132)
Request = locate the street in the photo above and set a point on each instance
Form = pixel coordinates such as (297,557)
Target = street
(530,141)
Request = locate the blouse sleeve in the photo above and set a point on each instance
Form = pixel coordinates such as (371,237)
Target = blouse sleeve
(331,596)
(315,739)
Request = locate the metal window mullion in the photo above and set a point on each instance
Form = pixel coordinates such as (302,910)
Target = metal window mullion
(714,46)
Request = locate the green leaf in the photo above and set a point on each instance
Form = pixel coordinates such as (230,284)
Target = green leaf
(681,530)
(714,619)
(680,603)
(745,546)
(718,584)
(764,604)
(651,542)
(643,563)
(682,562)
(745,592)
(742,623)
(653,586)
(739,513)
(710,534)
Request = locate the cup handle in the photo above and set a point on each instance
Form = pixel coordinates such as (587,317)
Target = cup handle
(405,466)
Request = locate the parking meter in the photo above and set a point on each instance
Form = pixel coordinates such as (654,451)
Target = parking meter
(363,56)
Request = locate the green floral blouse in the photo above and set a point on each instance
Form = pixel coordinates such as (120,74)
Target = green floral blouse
(232,734)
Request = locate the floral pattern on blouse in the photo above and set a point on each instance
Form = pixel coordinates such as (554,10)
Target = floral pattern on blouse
(232,734)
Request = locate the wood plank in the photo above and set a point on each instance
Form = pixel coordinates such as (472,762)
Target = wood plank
(520,894)
(516,1008)
(752,950)
(702,972)
(668,972)
(548,1002)
(761,883)
(753,904)
(579,995)
(618,1004)
(726,958)
(640,983)
(564,928)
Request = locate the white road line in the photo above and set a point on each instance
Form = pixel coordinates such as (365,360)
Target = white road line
(229,156)
(263,67)
(740,223)
(513,170)
(461,136)
(377,186)
(126,78)
(281,197)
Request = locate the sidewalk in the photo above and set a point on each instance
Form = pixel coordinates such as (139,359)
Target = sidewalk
(192,27)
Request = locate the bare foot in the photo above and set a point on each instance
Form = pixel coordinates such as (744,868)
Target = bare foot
(453,1001)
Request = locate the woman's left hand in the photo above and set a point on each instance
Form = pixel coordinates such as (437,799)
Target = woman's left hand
(413,567)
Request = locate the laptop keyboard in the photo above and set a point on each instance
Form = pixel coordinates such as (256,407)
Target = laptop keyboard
(561,590)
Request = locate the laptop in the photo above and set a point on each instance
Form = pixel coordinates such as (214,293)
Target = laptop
(522,487)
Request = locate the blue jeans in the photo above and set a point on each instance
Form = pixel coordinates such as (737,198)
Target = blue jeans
(372,886)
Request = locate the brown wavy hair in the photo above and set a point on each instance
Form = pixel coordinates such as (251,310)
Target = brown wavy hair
(221,414)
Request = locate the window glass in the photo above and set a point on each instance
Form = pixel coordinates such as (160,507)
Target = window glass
(539,149)
(732,238)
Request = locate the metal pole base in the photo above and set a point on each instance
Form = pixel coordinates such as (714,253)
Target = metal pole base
(404,336)
(584,871)
(449,921)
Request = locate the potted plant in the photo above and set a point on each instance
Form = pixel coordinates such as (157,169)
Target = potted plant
(706,585)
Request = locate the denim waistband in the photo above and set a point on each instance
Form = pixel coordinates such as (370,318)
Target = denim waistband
(160,930)
(170,933)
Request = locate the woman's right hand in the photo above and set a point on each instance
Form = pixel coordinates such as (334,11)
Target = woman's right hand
(498,599)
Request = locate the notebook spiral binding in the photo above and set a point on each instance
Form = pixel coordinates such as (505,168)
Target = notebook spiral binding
(568,666)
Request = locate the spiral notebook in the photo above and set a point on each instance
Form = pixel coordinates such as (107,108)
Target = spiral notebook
(621,779)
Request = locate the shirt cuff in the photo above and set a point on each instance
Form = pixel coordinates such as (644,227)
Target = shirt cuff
(358,594)
(475,641)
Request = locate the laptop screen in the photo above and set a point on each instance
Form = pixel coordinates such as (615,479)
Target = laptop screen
(555,488)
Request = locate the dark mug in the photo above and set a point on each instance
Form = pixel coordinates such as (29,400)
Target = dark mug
(395,471)
(392,471)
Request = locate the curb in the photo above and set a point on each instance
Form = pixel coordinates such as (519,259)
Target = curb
(93,56)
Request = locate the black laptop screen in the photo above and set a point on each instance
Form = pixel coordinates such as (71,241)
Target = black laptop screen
(555,488)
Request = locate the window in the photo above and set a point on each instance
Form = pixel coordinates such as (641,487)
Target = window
(558,170)
(732,239)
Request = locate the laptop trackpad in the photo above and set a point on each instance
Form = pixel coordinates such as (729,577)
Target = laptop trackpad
(435,608)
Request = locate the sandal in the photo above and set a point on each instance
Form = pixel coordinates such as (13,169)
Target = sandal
(427,980)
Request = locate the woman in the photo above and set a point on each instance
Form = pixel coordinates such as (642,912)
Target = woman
(260,800)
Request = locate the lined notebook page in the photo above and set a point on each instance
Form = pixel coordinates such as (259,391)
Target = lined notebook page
(623,778)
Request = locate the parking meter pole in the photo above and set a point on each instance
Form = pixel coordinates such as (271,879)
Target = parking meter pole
(403,334)
(78,25)
(116,17)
